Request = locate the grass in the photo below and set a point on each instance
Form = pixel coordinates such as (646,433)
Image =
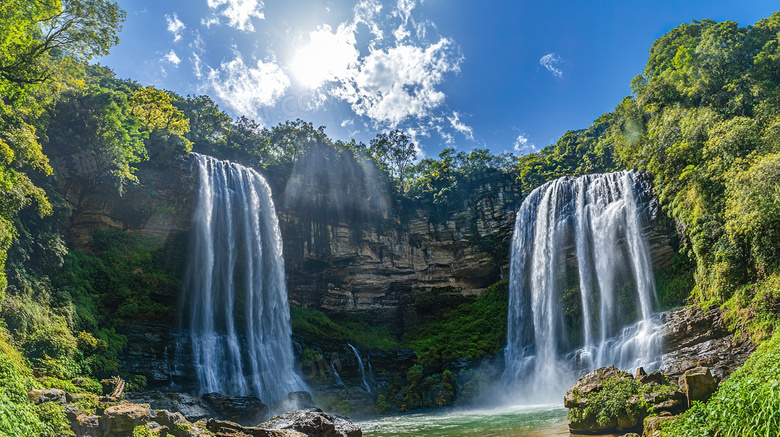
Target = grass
(747,404)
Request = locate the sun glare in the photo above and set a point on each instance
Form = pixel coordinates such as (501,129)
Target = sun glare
(328,56)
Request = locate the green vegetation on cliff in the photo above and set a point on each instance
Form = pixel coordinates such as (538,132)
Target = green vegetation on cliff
(452,327)
(313,323)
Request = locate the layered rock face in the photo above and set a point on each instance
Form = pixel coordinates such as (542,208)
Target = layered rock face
(372,261)
(159,207)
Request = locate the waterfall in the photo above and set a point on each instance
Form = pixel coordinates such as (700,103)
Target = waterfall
(580,242)
(234,287)
(362,370)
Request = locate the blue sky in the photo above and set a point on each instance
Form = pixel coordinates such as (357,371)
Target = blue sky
(509,76)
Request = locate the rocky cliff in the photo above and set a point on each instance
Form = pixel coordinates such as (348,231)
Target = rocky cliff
(347,251)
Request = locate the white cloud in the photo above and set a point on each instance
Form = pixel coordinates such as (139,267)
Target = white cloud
(393,84)
(348,122)
(172,58)
(524,145)
(461,127)
(549,61)
(246,89)
(328,56)
(403,10)
(197,66)
(175,26)
(239,13)
(209,21)
(366,12)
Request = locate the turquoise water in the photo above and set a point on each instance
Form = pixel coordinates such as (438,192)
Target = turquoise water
(535,420)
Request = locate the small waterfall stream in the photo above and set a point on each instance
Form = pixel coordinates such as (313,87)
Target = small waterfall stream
(597,220)
(362,369)
(239,317)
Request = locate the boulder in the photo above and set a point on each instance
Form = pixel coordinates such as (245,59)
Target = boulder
(698,384)
(190,406)
(86,426)
(655,394)
(245,410)
(652,378)
(227,428)
(119,420)
(591,383)
(169,419)
(47,395)
(314,422)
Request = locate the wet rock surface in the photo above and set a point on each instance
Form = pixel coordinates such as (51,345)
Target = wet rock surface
(314,422)
(245,410)
(227,428)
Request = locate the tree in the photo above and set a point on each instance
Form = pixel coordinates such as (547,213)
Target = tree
(31,29)
(396,151)
(165,123)
(154,110)
(95,136)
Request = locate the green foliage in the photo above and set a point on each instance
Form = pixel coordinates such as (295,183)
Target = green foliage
(576,153)
(454,327)
(165,123)
(136,383)
(612,401)
(707,108)
(18,416)
(447,182)
(142,431)
(96,125)
(30,31)
(314,323)
(747,404)
(395,151)
(674,284)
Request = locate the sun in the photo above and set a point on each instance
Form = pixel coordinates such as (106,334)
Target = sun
(327,57)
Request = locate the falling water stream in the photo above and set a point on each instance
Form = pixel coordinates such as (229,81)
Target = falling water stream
(239,317)
(362,369)
(597,221)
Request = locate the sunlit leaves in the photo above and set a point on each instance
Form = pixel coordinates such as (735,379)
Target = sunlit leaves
(153,108)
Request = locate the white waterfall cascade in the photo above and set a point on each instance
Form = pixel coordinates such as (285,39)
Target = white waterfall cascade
(599,219)
(362,369)
(239,317)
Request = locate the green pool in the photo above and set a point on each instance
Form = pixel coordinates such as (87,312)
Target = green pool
(534,420)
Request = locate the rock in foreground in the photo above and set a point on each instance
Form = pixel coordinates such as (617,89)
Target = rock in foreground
(314,422)
(609,401)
